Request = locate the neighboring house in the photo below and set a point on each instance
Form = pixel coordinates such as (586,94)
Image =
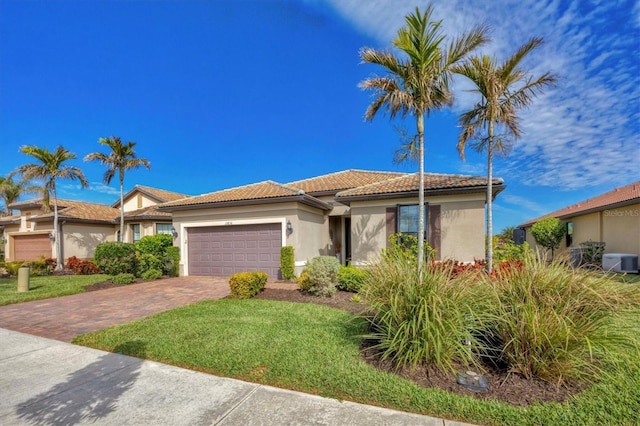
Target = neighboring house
(141,215)
(612,218)
(349,214)
(28,234)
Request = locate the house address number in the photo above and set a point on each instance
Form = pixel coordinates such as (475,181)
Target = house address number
(228,223)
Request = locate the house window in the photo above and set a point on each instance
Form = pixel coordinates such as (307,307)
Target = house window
(407,222)
(139,201)
(164,228)
(27,221)
(135,232)
(569,234)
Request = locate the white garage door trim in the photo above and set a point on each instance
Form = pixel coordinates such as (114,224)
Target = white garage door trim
(184,252)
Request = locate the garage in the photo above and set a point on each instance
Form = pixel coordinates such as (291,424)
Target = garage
(31,247)
(225,250)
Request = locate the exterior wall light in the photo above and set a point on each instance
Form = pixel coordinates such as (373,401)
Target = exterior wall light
(174,232)
(289,227)
(52,236)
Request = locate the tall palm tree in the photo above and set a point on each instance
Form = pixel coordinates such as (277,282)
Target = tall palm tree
(121,158)
(11,190)
(418,82)
(504,90)
(49,168)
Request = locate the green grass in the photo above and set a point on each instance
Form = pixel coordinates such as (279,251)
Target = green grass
(45,287)
(315,349)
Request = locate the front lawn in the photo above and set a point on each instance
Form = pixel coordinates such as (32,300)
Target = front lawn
(45,287)
(316,349)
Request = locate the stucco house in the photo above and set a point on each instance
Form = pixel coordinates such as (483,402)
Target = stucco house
(349,214)
(612,218)
(28,234)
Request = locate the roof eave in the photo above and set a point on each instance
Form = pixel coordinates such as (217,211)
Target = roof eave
(583,212)
(301,198)
(497,188)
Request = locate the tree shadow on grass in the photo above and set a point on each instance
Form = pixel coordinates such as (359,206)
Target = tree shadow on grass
(89,394)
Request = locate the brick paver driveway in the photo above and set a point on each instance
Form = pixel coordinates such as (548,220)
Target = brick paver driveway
(63,318)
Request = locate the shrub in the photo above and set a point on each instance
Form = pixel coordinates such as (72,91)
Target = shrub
(555,322)
(592,252)
(154,244)
(303,281)
(151,274)
(245,285)
(39,268)
(350,278)
(147,261)
(430,320)
(287,263)
(12,267)
(115,258)
(406,246)
(548,233)
(322,272)
(172,265)
(510,251)
(82,267)
(123,278)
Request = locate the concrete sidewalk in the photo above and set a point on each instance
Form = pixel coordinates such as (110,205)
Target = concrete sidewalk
(45,381)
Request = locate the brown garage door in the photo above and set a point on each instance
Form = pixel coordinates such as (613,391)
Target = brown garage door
(31,247)
(225,250)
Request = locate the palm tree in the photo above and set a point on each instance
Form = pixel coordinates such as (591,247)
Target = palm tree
(51,167)
(504,90)
(11,190)
(418,83)
(121,158)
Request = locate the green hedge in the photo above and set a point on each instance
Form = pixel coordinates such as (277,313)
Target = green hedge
(123,278)
(287,263)
(115,258)
(155,245)
(173,265)
(245,285)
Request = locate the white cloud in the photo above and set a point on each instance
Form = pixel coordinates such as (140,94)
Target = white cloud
(585,131)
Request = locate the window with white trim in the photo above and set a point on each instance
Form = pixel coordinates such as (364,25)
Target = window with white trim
(164,228)
(135,232)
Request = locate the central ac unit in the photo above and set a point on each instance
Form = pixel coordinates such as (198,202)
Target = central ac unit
(620,262)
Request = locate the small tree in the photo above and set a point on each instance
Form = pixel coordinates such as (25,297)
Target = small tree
(548,233)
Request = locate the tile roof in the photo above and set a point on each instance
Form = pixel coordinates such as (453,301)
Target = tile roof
(623,194)
(410,184)
(347,179)
(161,194)
(81,211)
(267,190)
(150,212)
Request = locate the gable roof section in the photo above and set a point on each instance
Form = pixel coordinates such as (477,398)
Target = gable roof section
(257,193)
(146,213)
(409,186)
(160,195)
(76,211)
(618,197)
(338,181)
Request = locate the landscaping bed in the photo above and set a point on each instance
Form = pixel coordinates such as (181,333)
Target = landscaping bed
(511,388)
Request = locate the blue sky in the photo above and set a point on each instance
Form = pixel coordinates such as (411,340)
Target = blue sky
(225,93)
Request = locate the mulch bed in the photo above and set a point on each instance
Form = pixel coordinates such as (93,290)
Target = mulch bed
(511,388)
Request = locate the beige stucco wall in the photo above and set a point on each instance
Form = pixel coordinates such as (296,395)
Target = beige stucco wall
(461,224)
(310,226)
(462,233)
(136,201)
(618,228)
(80,240)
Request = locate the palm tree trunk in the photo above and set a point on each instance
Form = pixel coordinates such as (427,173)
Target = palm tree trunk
(420,124)
(56,234)
(490,200)
(121,207)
